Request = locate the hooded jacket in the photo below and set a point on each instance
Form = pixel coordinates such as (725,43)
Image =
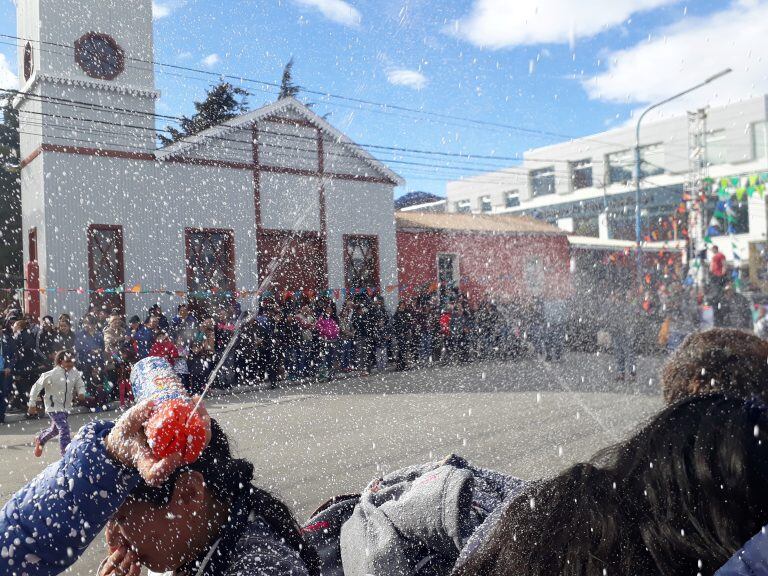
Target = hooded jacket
(412,522)
(60,389)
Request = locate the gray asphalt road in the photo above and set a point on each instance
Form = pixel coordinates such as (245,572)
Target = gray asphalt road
(308,443)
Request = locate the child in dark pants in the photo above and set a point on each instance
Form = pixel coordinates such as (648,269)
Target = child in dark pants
(60,387)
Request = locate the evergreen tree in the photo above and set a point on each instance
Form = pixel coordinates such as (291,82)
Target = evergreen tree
(10,198)
(222,102)
(287,88)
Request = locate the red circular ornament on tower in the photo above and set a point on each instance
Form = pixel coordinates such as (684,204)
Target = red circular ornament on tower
(99,56)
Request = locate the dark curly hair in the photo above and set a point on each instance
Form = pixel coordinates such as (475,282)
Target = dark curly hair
(719,360)
(680,497)
(230,479)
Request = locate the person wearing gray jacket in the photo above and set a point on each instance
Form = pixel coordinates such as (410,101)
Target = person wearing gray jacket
(412,522)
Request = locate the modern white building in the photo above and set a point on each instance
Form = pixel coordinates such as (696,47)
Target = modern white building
(277,192)
(585,186)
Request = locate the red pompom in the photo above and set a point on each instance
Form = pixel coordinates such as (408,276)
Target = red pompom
(170,430)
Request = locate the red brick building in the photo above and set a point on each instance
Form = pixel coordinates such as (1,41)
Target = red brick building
(502,257)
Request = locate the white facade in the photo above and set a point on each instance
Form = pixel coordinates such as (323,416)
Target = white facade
(89,158)
(737,144)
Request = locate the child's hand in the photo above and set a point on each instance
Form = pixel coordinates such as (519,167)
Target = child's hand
(32,410)
(127,443)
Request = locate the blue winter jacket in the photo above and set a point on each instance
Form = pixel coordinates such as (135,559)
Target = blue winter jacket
(8,350)
(48,524)
(752,560)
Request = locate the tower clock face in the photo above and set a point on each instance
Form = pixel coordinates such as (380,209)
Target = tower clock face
(99,56)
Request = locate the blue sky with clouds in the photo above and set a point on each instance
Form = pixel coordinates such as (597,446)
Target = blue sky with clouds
(567,67)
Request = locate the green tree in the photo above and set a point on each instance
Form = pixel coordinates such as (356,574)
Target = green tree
(222,102)
(10,198)
(287,87)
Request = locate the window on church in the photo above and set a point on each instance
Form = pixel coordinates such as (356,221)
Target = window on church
(210,265)
(106,268)
(361,262)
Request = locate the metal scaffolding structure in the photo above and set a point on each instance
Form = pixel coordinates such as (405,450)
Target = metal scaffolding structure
(695,194)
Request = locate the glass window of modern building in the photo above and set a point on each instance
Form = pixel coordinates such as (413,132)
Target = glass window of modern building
(512,199)
(716,148)
(581,174)
(464,206)
(485,204)
(621,165)
(760,140)
(543,181)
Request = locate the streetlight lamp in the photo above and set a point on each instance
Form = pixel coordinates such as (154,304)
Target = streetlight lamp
(638,160)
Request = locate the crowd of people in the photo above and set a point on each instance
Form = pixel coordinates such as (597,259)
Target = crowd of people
(291,339)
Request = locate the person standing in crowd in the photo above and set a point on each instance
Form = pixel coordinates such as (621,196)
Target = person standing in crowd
(156,312)
(181,366)
(115,337)
(306,321)
(554,326)
(328,334)
(184,323)
(89,345)
(718,279)
(620,320)
(61,387)
(7,363)
(200,364)
(347,336)
(25,369)
(380,322)
(266,326)
(143,335)
(165,348)
(402,330)
(65,336)
(224,328)
(46,344)
(735,310)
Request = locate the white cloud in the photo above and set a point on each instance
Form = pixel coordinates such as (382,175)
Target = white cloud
(7,78)
(338,11)
(409,78)
(211,60)
(688,52)
(505,23)
(184,55)
(164,8)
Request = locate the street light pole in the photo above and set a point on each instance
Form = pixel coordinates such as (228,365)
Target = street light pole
(638,161)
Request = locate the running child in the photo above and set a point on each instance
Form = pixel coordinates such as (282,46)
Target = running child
(60,387)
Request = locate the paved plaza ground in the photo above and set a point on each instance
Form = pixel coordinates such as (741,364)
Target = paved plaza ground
(527,418)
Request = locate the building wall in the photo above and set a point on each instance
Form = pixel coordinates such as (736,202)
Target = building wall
(532,265)
(154,203)
(363,208)
(736,120)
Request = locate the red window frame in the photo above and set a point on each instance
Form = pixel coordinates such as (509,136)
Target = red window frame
(347,261)
(230,245)
(101,299)
(32,243)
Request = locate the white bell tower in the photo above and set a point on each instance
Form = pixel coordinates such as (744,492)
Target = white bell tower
(86,116)
(86,74)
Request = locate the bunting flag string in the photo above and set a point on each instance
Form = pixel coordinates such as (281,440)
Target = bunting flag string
(430,287)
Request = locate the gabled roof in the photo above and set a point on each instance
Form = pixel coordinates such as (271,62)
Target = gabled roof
(245,120)
(474,223)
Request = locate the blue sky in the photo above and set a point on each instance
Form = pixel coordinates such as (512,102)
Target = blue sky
(561,66)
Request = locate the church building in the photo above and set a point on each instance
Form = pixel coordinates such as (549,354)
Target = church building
(276,199)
